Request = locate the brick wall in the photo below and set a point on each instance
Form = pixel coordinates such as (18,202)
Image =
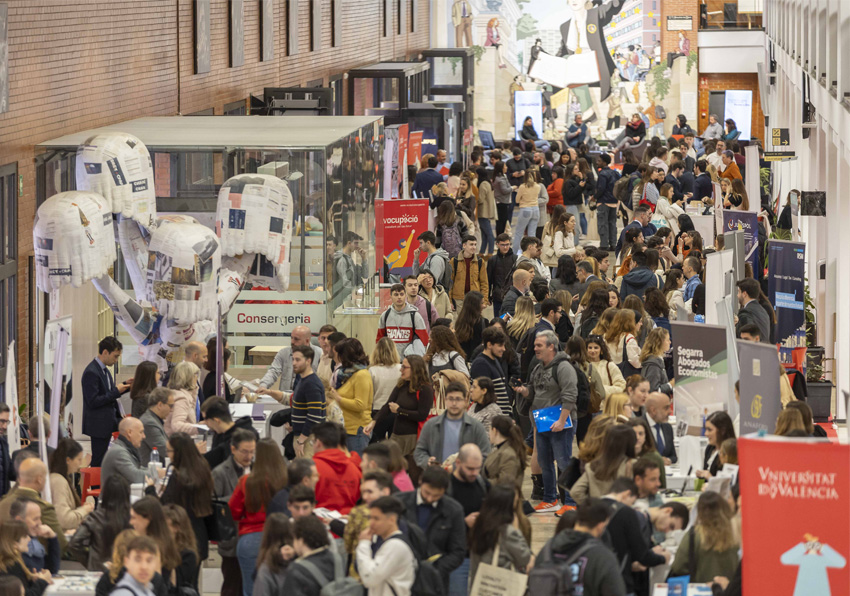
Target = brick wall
(75,66)
(678,8)
(722,82)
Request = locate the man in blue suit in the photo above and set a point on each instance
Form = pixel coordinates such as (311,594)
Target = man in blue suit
(101,410)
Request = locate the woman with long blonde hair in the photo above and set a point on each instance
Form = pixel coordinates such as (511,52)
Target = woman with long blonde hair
(741,201)
(549,254)
(652,360)
(605,320)
(621,338)
(592,444)
(183,417)
(714,539)
(385,370)
(618,407)
(523,319)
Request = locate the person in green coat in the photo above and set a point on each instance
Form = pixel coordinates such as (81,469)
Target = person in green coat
(712,540)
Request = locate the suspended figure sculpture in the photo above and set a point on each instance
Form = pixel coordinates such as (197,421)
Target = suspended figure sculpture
(183,274)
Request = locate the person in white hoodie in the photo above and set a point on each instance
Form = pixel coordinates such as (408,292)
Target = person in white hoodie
(386,567)
(403,324)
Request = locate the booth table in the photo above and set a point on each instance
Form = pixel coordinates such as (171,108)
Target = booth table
(74,583)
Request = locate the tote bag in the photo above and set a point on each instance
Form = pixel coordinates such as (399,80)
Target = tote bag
(490,579)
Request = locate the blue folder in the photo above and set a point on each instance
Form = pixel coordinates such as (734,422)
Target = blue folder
(545,418)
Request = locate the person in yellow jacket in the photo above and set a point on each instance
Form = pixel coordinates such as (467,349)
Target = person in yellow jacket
(469,272)
(353,392)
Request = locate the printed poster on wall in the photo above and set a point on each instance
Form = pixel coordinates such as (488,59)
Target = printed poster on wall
(748,223)
(414,148)
(759,387)
(786,291)
(701,371)
(403,222)
(795,516)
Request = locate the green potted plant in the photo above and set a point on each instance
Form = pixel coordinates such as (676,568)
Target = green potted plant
(819,388)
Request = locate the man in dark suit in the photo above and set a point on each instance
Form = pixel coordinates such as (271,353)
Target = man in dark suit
(584,32)
(672,179)
(657,410)
(751,312)
(101,410)
(703,188)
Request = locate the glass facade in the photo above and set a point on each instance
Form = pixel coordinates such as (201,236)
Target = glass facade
(333,189)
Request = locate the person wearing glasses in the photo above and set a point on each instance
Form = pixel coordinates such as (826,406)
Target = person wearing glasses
(445,434)
(160,402)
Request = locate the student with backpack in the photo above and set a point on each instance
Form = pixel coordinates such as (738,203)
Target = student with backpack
(552,383)
(450,229)
(385,561)
(318,571)
(576,561)
(403,324)
(469,272)
(437,261)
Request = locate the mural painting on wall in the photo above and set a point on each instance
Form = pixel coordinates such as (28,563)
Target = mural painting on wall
(599,59)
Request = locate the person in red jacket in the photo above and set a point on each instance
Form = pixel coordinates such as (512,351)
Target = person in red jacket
(338,488)
(555,189)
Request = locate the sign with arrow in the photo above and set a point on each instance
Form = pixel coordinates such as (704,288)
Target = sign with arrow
(781,137)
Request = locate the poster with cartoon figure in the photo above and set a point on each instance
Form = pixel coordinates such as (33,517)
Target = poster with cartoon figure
(814,559)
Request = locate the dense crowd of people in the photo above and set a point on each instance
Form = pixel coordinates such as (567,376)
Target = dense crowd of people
(403,470)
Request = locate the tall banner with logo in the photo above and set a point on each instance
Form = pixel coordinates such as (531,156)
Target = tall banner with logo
(759,387)
(13,431)
(402,161)
(748,223)
(701,371)
(786,291)
(403,222)
(795,499)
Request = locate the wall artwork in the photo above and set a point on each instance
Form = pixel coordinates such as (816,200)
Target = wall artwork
(202,36)
(267,30)
(600,59)
(237,34)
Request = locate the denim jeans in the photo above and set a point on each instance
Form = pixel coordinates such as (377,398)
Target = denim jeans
(583,223)
(574,210)
(358,442)
(553,448)
(459,580)
(526,225)
(247,550)
(488,241)
(606,225)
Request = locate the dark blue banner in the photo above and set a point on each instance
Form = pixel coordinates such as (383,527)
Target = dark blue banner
(786,290)
(747,222)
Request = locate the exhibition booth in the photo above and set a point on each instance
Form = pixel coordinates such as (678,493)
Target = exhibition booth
(331,166)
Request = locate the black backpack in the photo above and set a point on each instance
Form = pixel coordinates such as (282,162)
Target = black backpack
(428,581)
(552,574)
(582,393)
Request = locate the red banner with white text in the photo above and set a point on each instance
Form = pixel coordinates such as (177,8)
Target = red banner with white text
(795,499)
(403,221)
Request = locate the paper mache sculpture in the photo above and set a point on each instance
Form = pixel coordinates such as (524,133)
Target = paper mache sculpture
(183,274)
